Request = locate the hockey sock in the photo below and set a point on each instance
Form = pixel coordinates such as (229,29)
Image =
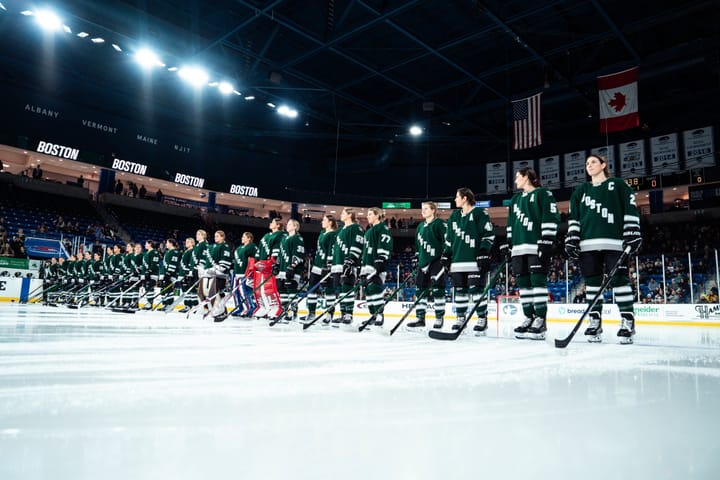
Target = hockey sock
(623,293)
(374,296)
(475,292)
(592,285)
(421,307)
(540,294)
(461,301)
(347,304)
(439,302)
(526,295)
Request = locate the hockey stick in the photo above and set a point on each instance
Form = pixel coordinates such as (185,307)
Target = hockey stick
(160,294)
(122,293)
(331,307)
(181,297)
(439,335)
(294,298)
(562,343)
(99,291)
(417,300)
(412,307)
(381,309)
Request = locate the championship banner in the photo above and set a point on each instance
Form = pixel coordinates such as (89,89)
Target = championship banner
(632,158)
(575,173)
(664,154)
(496,178)
(699,148)
(518,164)
(609,153)
(550,171)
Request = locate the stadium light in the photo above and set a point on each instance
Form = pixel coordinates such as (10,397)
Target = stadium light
(98,40)
(2,6)
(147,58)
(270,104)
(250,97)
(194,75)
(67,29)
(226,88)
(48,20)
(286,111)
(83,34)
(415,131)
(117,47)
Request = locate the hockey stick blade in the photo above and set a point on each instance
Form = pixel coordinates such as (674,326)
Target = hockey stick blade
(564,342)
(440,335)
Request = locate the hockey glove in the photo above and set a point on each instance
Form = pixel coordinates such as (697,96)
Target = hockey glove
(545,248)
(275,268)
(445,261)
(348,266)
(415,260)
(290,274)
(632,239)
(572,246)
(483,261)
(380,265)
(506,251)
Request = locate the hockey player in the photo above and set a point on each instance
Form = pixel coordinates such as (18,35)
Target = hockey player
(291,260)
(346,256)
(198,255)
(242,283)
(151,270)
(218,260)
(603,221)
(377,249)
(470,236)
(170,271)
(532,224)
(265,265)
(321,267)
(189,273)
(429,245)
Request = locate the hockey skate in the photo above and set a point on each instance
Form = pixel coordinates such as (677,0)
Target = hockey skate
(346,318)
(308,318)
(419,323)
(184,309)
(521,330)
(379,320)
(627,328)
(480,328)
(458,323)
(594,330)
(259,312)
(537,330)
(438,325)
(336,322)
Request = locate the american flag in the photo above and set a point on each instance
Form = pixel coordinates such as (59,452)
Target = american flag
(526,122)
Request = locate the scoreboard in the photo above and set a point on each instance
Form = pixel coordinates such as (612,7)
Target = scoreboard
(644,183)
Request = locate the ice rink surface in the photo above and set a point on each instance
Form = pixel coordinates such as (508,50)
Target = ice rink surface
(90,394)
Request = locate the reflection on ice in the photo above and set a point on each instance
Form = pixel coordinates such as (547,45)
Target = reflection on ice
(89,395)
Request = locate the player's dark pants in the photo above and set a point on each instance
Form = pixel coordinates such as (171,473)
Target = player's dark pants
(427,278)
(467,285)
(594,265)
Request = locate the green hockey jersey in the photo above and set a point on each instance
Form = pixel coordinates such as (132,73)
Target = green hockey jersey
(532,216)
(323,255)
(241,256)
(348,244)
(151,262)
(378,244)
(171,263)
(467,235)
(601,213)
(219,258)
(430,241)
(187,263)
(270,245)
(292,253)
(199,252)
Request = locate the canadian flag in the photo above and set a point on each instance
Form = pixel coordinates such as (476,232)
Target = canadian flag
(618,101)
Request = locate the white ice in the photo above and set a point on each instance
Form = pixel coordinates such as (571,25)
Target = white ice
(89,394)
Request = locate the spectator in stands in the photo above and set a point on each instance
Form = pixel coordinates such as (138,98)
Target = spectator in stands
(6,250)
(581,296)
(133,189)
(37,172)
(3,227)
(59,223)
(21,235)
(143,191)
(18,247)
(81,181)
(119,187)
(159,195)
(42,228)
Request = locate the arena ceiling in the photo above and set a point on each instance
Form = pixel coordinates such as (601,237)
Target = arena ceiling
(360,72)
